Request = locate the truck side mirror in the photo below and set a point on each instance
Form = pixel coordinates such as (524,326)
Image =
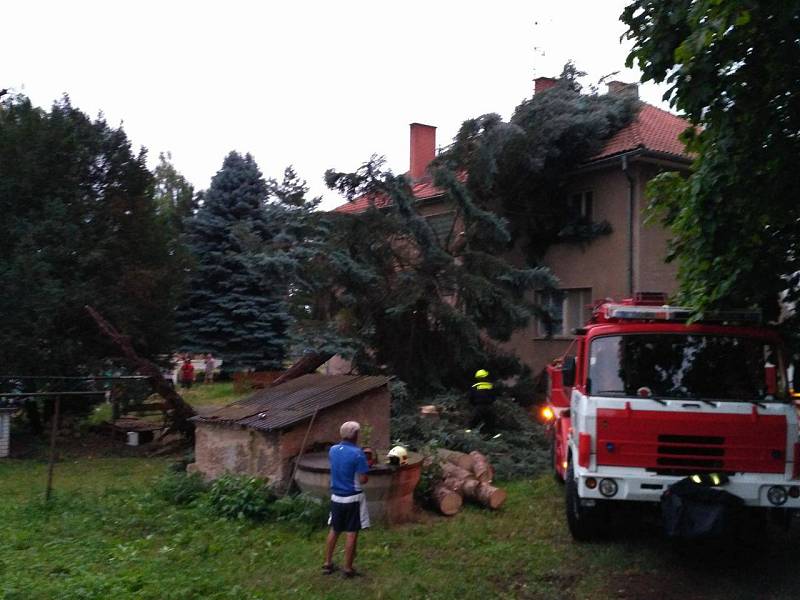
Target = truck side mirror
(568,371)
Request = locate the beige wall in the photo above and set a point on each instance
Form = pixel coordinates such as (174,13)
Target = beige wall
(220,449)
(602,265)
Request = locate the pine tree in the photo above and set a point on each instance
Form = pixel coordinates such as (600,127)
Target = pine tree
(236,302)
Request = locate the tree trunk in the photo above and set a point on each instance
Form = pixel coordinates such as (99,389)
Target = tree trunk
(481,467)
(457,458)
(450,470)
(447,501)
(179,412)
(486,494)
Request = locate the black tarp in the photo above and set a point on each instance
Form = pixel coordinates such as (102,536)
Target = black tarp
(692,510)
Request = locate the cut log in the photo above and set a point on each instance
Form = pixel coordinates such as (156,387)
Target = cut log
(485,494)
(456,472)
(481,467)
(468,487)
(446,500)
(459,459)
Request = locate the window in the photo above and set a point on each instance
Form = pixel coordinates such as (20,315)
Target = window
(580,205)
(568,309)
(683,366)
(442,225)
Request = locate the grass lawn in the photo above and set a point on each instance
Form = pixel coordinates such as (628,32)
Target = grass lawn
(104,536)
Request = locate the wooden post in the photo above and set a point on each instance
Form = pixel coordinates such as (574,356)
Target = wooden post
(53,431)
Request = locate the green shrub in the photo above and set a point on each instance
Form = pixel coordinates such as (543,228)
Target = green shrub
(179,488)
(301,509)
(240,497)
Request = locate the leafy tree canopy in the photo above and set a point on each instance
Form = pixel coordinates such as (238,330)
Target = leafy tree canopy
(79,227)
(733,68)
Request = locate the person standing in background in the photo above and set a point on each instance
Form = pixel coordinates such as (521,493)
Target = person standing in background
(209,368)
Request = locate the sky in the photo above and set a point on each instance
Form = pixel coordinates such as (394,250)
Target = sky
(314,84)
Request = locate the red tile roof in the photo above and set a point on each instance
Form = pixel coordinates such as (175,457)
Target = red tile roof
(653,129)
(422,190)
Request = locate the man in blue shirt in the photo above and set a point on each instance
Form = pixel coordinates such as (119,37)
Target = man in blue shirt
(348,505)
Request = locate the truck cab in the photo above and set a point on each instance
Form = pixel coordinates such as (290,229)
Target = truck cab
(649,399)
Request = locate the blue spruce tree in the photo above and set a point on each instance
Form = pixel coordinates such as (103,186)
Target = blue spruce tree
(235,305)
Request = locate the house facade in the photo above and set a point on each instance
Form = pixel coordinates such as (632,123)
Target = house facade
(608,187)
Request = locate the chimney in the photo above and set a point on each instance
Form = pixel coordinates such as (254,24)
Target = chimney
(541,84)
(619,88)
(423,149)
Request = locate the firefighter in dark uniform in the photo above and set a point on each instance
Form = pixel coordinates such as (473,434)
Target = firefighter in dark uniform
(482,397)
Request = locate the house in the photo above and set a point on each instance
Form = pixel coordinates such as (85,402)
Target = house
(608,187)
(263,434)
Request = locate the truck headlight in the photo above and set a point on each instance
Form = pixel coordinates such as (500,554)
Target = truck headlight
(609,488)
(776,495)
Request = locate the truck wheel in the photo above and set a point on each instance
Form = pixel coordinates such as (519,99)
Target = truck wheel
(583,521)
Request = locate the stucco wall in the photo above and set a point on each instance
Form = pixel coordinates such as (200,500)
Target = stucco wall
(230,448)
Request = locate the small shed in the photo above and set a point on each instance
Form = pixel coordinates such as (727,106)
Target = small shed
(262,434)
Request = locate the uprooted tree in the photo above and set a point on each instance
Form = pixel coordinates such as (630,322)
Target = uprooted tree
(430,308)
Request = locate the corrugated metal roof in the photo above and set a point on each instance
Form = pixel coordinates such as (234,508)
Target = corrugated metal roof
(293,401)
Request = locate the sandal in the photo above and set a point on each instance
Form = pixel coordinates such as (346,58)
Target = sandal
(352,573)
(328,569)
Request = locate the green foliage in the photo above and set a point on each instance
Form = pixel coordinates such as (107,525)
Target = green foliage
(240,497)
(432,308)
(79,226)
(179,488)
(734,69)
(236,304)
(521,450)
(302,510)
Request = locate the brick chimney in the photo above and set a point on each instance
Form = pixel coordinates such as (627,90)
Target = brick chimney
(620,87)
(541,84)
(423,149)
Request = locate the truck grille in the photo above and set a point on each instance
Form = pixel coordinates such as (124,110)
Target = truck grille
(680,454)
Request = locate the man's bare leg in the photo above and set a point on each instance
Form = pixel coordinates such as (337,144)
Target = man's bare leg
(330,546)
(351,538)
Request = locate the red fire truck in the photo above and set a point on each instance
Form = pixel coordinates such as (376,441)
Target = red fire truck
(649,399)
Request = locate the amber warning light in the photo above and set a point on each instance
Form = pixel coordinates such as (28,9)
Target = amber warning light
(546,414)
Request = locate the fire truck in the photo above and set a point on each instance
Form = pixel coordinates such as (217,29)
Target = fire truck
(650,398)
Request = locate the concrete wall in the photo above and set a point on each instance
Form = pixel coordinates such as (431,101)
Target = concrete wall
(230,448)
(220,448)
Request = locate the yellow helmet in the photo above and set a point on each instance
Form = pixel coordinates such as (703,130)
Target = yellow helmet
(398,456)
(481,374)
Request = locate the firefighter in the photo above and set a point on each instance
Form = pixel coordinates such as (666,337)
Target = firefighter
(482,397)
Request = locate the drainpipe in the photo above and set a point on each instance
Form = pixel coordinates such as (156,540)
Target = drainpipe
(631,200)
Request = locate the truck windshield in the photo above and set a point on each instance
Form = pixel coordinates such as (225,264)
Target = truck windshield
(712,367)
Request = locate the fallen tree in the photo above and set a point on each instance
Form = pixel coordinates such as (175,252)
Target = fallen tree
(178,410)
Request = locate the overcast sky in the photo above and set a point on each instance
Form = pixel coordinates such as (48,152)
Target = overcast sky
(315,84)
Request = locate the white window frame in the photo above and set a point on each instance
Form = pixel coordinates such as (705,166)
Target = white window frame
(580,298)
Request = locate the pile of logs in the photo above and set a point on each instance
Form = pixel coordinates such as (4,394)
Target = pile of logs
(465,476)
